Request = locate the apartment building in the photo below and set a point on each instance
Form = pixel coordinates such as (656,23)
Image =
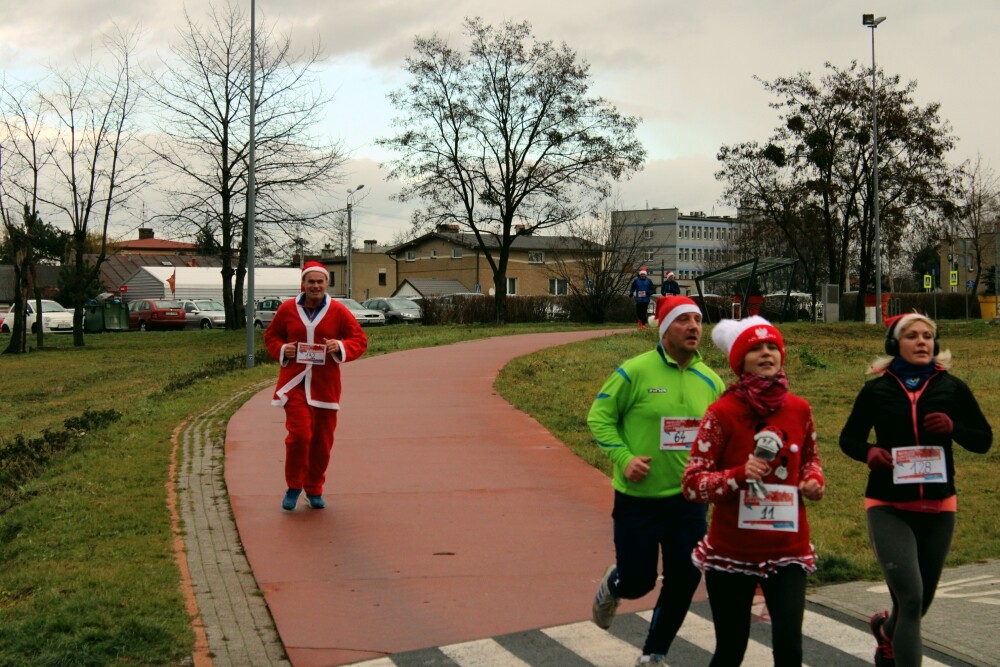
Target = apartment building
(689,245)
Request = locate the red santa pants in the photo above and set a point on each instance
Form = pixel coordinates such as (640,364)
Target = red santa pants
(308,443)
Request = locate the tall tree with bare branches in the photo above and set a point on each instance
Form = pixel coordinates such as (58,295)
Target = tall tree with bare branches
(24,153)
(98,162)
(978,210)
(504,138)
(203,94)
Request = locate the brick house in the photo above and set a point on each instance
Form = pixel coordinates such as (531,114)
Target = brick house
(532,270)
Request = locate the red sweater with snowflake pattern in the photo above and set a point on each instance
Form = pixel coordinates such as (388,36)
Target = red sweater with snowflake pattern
(715,473)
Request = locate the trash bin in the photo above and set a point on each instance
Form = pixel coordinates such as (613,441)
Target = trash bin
(115,316)
(105,316)
(93,318)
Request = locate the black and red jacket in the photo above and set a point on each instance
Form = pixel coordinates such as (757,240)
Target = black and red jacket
(897,416)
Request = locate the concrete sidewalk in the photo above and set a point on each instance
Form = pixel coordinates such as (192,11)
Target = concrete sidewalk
(452,516)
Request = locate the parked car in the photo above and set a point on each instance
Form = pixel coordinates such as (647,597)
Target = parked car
(264,309)
(204,313)
(55,318)
(396,309)
(156,314)
(365,317)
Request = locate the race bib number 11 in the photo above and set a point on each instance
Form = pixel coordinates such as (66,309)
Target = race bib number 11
(778,511)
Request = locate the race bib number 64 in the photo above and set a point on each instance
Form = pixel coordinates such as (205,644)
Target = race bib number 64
(678,433)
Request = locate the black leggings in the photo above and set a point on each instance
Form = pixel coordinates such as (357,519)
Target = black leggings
(640,312)
(730,596)
(911,548)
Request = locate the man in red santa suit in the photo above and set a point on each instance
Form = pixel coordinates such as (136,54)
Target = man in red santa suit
(310,336)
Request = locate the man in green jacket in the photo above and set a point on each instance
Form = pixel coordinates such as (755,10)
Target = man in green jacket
(645,419)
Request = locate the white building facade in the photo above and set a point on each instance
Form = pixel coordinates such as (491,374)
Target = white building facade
(689,245)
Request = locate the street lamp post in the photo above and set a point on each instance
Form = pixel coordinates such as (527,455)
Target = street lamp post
(869,21)
(350,205)
(251,193)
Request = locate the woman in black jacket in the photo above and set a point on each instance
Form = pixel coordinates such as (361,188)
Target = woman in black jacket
(916,408)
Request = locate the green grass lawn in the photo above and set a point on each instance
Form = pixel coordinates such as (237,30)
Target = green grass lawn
(87,575)
(826,364)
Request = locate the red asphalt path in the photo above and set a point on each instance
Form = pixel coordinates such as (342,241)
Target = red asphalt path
(451,516)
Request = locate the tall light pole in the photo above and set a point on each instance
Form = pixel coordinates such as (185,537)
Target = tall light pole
(869,21)
(350,204)
(251,192)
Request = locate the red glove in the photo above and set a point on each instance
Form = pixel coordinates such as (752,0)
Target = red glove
(879,459)
(938,422)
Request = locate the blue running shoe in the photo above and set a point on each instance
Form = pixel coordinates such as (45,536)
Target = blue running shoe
(316,502)
(290,499)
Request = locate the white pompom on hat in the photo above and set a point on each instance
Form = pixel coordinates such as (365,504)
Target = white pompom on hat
(314,266)
(736,337)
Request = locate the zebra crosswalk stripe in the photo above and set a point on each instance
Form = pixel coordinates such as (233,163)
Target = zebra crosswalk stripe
(848,640)
(700,632)
(828,641)
(482,653)
(594,644)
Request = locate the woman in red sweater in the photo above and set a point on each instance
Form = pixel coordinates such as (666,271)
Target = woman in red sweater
(755,458)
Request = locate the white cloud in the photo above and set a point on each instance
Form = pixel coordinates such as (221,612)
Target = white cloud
(686,68)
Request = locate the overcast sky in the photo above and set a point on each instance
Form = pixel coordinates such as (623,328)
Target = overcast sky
(686,68)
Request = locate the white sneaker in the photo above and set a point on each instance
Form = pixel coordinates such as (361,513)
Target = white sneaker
(651,660)
(605,604)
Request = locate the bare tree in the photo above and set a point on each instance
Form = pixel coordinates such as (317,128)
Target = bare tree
(596,271)
(204,96)
(978,210)
(98,168)
(822,154)
(24,153)
(504,139)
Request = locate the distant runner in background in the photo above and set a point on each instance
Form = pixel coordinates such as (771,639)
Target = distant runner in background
(670,287)
(642,290)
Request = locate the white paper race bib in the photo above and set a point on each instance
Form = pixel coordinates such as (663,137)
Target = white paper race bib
(778,511)
(310,353)
(677,433)
(918,465)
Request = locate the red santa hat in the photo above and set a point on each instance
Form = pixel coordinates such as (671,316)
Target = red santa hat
(314,266)
(670,275)
(643,271)
(895,326)
(669,308)
(736,337)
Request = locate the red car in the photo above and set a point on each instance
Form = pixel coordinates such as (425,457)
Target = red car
(156,314)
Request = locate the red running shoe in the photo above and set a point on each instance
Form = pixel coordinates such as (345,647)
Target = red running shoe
(883,648)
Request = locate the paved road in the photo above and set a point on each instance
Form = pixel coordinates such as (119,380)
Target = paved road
(467,536)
